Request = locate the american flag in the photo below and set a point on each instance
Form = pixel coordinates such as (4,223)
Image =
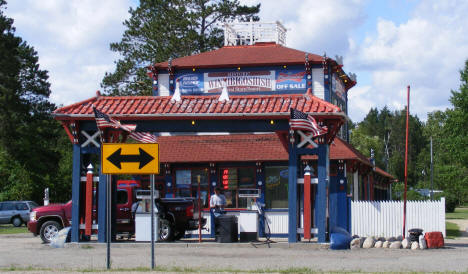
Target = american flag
(302,121)
(103,121)
(143,137)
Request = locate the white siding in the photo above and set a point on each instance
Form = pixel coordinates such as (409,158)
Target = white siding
(163,81)
(317,80)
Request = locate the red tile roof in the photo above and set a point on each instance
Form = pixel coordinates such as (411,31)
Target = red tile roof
(221,148)
(242,148)
(161,107)
(260,54)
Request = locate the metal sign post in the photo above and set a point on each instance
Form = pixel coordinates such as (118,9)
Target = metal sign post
(108,221)
(152,221)
(129,159)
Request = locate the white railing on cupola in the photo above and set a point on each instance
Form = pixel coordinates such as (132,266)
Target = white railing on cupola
(249,33)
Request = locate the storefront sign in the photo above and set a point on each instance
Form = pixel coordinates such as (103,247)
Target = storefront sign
(290,80)
(191,83)
(242,81)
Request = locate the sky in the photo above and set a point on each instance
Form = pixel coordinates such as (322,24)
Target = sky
(388,44)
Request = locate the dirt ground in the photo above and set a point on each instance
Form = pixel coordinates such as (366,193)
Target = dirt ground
(23,252)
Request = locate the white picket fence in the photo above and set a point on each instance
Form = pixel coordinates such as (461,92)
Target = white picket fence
(385,218)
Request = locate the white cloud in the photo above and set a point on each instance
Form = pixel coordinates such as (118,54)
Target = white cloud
(72,39)
(427,52)
(315,26)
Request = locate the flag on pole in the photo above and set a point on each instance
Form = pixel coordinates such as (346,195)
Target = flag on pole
(103,121)
(302,121)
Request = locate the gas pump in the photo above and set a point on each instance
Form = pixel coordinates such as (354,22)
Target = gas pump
(248,219)
(142,211)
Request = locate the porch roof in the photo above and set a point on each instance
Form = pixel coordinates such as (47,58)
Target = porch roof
(200,107)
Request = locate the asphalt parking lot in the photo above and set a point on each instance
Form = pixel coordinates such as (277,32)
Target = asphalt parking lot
(23,252)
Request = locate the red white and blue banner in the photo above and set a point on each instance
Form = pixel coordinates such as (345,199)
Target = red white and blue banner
(242,81)
(338,87)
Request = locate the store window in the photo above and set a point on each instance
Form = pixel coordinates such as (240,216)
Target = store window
(232,179)
(276,192)
(187,184)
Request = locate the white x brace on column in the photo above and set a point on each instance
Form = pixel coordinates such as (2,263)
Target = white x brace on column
(306,139)
(90,139)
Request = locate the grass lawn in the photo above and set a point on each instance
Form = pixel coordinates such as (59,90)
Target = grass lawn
(452,230)
(10,229)
(460,213)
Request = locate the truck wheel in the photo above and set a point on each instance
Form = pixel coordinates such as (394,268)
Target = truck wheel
(179,234)
(48,230)
(166,231)
(16,221)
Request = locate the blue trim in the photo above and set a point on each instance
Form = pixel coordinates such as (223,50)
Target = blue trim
(76,174)
(326,86)
(169,189)
(308,151)
(321,195)
(91,149)
(231,125)
(102,205)
(333,201)
(292,193)
(342,216)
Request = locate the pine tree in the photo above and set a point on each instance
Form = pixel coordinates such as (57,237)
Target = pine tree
(158,30)
(28,133)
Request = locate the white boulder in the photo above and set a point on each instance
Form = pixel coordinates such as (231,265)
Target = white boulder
(405,243)
(386,244)
(395,245)
(378,244)
(369,242)
(422,242)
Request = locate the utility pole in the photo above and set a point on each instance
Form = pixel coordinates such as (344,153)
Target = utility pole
(432,174)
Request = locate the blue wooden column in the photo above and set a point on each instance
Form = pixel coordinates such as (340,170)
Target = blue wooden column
(338,212)
(102,207)
(75,228)
(214,177)
(333,207)
(292,193)
(321,195)
(261,185)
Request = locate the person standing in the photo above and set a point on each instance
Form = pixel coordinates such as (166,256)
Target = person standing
(217,202)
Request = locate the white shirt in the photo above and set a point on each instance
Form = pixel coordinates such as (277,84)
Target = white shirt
(217,200)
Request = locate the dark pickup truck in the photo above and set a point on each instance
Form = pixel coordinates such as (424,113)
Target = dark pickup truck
(177,215)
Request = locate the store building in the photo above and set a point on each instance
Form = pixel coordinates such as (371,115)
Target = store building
(241,139)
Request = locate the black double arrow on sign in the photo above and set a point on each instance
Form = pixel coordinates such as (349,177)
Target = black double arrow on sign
(117,158)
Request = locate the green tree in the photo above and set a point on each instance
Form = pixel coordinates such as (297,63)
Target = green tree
(158,30)
(28,134)
(452,172)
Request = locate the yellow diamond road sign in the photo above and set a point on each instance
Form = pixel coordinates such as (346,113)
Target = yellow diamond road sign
(130,158)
